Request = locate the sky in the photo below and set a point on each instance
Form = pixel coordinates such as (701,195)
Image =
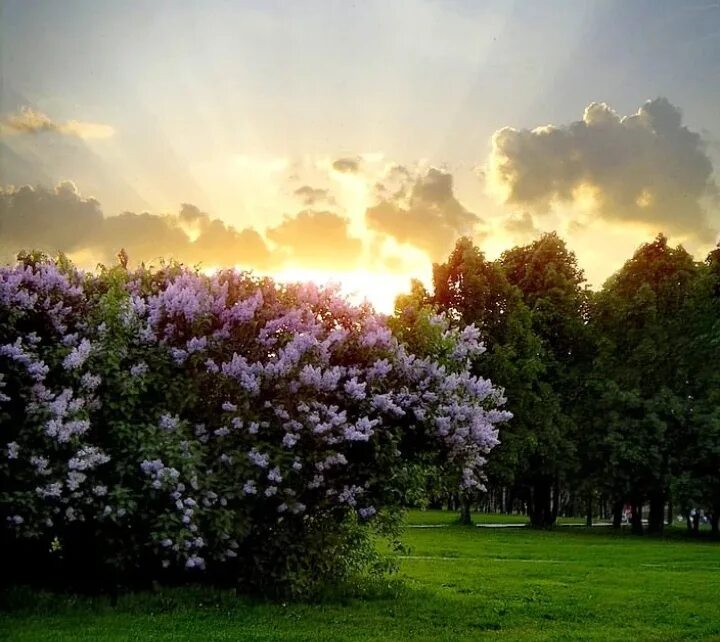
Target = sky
(356,141)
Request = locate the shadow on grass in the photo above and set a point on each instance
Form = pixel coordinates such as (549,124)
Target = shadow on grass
(30,600)
(391,610)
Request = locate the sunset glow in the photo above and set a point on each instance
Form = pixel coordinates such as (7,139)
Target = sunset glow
(354,146)
(360,285)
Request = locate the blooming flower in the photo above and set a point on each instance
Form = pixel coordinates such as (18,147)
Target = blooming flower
(13,450)
(259,459)
(78,356)
(168,422)
(139,369)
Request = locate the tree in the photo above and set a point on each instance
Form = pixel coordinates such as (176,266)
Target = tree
(697,480)
(472,289)
(552,287)
(645,360)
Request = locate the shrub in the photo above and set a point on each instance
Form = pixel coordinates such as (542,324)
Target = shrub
(166,424)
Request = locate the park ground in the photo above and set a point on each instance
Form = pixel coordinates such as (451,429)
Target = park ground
(456,583)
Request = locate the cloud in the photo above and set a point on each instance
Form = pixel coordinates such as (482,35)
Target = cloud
(61,219)
(521,226)
(30,121)
(347,165)
(318,239)
(51,220)
(421,211)
(647,168)
(310,196)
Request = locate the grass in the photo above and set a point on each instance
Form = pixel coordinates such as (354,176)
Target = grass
(441,517)
(459,584)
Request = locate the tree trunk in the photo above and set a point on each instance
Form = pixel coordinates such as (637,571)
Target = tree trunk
(715,523)
(617,512)
(465,518)
(543,503)
(555,504)
(589,511)
(539,504)
(670,513)
(696,522)
(510,501)
(636,519)
(656,519)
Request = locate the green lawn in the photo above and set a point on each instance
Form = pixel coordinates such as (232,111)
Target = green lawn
(459,584)
(438,517)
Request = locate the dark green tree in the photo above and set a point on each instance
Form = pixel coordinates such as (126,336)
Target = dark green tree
(646,364)
(553,289)
(472,289)
(696,483)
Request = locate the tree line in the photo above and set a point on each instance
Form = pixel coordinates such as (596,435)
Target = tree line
(615,393)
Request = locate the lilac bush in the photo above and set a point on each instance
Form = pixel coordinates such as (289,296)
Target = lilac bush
(167,422)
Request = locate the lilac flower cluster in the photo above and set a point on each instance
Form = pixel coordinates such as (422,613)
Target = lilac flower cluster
(283,401)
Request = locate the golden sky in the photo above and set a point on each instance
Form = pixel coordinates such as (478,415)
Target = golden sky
(356,143)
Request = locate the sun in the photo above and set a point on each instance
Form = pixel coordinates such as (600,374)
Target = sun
(378,288)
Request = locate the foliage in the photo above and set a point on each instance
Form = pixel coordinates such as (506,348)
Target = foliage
(165,424)
(530,308)
(641,317)
(614,394)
